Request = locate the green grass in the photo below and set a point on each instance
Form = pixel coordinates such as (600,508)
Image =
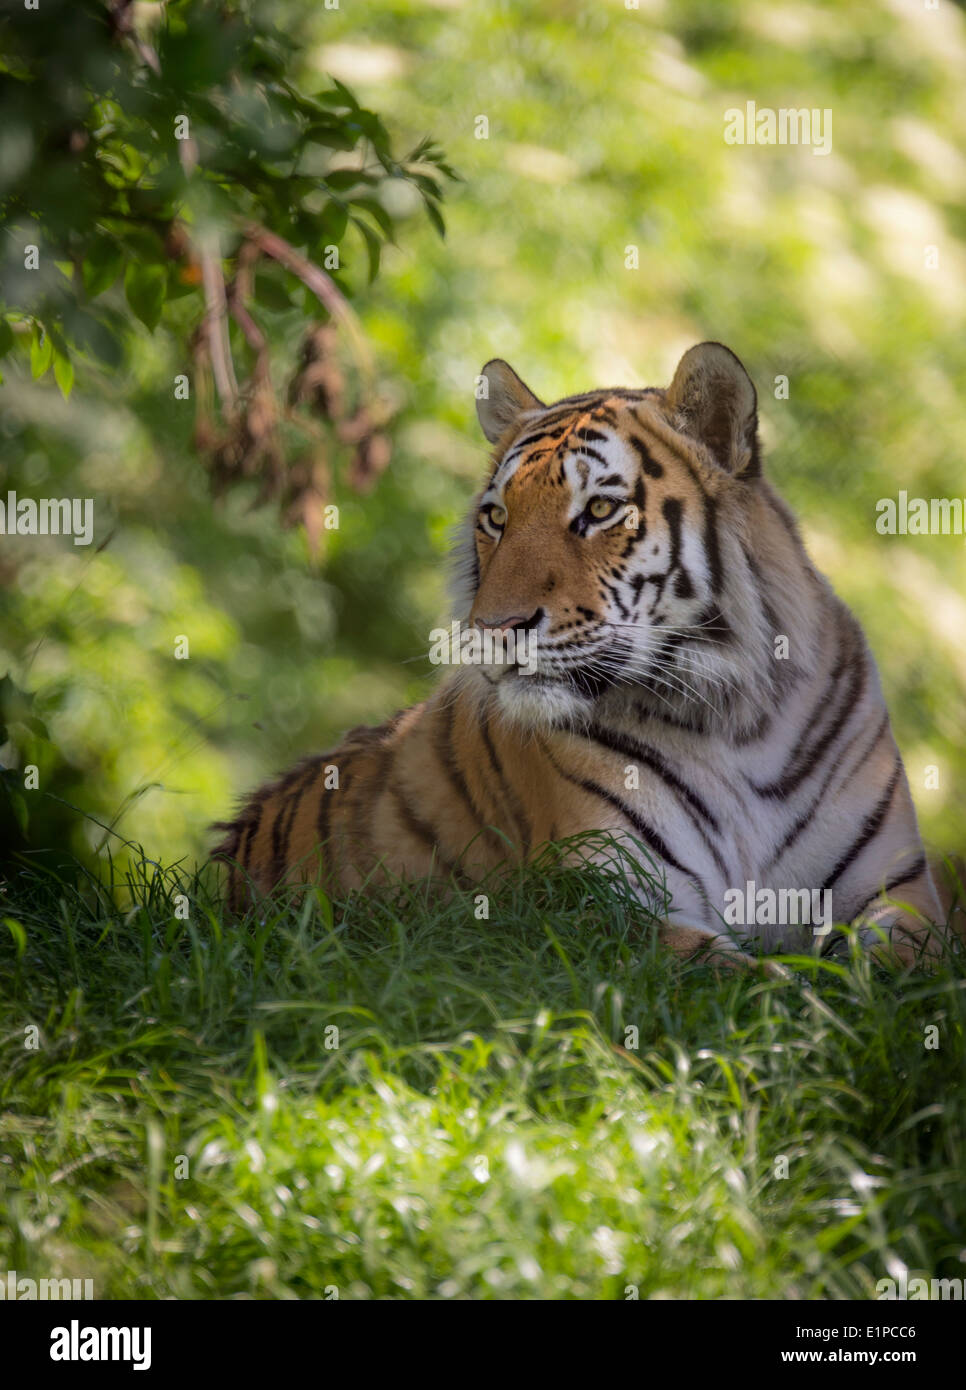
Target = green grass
(485,1127)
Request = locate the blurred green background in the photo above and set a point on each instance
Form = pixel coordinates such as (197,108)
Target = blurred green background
(605,131)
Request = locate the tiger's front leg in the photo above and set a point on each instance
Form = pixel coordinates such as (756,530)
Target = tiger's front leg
(699,943)
(678,906)
(884,880)
(914,933)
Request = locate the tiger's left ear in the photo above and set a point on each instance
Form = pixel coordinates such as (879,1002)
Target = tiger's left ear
(717,403)
(502,398)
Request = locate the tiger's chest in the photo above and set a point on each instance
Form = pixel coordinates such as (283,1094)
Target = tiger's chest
(717,820)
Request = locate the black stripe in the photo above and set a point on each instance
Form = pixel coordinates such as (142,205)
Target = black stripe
(417,827)
(280,845)
(649,464)
(783,514)
(446,755)
(841,717)
(903,876)
(515,804)
(673,444)
(712,548)
(711,540)
(646,832)
(755,733)
(805,758)
(534,438)
(625,745)
(581,448)
(563,414)
(758,583)
(366,810)
(279,834)
(324,816)
(695,805)
(251,830)
(694,723)
(623,393)
(607,587)
(714,625)
(589,685)
(873,824)
(808,816)
(672,515)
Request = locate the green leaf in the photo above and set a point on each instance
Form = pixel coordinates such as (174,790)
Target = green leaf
(144,286)
(41,353)
(373,247)
(271,295)
(176,287)
(145,243)
(63,373)
(341,179)
(95,337)
(102,265)
(335,219)
(434,215)
(17,931)
(340,96)
(378,213)
(332,135)
(427,186)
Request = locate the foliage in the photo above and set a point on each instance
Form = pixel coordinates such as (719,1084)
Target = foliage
(168,169)
(487,1126)
(605,130)
(128,150)
(398,1100)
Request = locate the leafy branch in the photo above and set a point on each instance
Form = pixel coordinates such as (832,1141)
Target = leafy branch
(172,158)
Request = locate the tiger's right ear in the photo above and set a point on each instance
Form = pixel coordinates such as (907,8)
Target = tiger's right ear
(501,398)
(715,401)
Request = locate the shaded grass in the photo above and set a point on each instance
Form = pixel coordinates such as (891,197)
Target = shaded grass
(394,1098)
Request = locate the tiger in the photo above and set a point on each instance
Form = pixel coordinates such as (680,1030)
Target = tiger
(663,664)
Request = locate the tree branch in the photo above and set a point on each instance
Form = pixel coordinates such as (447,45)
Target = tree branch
(322,286)
(216,306)
(216,322)
(239,292)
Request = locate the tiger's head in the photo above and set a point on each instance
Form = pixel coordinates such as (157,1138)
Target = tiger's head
(621,540)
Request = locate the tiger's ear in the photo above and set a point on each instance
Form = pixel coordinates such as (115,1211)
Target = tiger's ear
(501,399)
(716,401)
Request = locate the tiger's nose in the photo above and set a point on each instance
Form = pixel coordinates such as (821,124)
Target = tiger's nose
(515,623)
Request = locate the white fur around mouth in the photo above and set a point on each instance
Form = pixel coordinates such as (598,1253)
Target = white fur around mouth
(539,701)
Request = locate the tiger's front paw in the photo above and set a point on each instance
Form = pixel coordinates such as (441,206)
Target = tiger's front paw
(700,944)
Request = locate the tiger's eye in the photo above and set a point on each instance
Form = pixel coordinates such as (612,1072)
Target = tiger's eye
(601,507)
(498,516)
